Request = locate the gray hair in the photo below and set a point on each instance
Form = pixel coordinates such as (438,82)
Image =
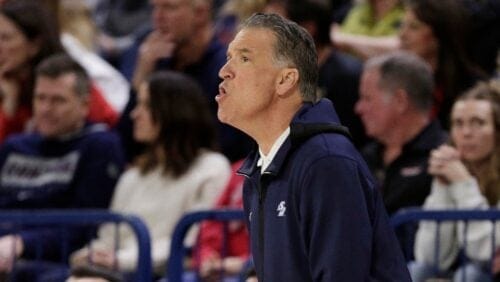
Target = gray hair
(404,70)
(294,47)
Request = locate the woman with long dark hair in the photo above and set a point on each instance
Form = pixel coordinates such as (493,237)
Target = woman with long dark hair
(437,31)
(178,172)
(27,35)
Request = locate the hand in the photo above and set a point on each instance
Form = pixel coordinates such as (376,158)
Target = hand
(156,46)
(11,247)
(107,43)
(445,164)
(252,279)
(210,267)
(104,258)
(233,265)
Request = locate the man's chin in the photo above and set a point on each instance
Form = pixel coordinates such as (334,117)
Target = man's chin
(45,132)
(224,118)
(47,135)
(221,117)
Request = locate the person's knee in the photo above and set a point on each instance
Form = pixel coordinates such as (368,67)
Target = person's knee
(473,272)
(420,271)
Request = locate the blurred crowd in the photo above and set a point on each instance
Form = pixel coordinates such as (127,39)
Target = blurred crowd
(111,104)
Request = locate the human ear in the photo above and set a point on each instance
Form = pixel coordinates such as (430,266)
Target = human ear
(85,106)
(402,100)
(287,81)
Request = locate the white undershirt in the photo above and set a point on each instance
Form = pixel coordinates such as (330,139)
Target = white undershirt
(264,160)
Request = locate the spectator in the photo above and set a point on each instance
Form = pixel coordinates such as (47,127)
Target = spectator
(178,173)
(119,23)
(394,105)
(339,73)
(213,257)
(29,35)
(183,40)
(110,89)
(437,31)
(74,17)
(311,205)
(466,176)
(232,13)
(369,29)
(76,25)
(67,163)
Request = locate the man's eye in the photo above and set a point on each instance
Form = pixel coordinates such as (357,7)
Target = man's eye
(244,59)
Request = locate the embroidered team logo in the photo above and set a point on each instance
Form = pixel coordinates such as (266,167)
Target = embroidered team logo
(281,209)
(411,171)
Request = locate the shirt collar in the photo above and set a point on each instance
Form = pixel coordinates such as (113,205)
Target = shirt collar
(264,160)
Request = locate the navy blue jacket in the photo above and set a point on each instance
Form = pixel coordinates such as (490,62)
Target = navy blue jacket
(77,172)
(314,214)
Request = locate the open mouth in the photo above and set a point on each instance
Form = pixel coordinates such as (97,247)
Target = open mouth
(222,93)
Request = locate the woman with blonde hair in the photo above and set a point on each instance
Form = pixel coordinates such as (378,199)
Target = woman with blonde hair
(466,176)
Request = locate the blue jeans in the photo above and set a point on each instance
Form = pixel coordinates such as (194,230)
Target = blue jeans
(470,272)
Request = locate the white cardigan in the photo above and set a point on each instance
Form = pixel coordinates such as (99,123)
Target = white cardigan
(461,195)
(161,201)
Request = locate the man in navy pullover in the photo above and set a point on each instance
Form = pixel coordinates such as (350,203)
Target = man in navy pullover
(312,208)
(65,164)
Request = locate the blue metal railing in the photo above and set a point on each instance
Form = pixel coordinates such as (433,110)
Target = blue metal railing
(175,267)
(410,215)
(417,214)
(73,218)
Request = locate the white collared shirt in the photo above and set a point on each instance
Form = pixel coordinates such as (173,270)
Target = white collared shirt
(264,160)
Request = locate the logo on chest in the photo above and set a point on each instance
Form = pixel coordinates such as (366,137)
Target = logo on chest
(411,171)
(281,209)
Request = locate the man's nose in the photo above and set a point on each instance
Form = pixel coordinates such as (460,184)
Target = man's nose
(358,107)
(467,129)
(225,72)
